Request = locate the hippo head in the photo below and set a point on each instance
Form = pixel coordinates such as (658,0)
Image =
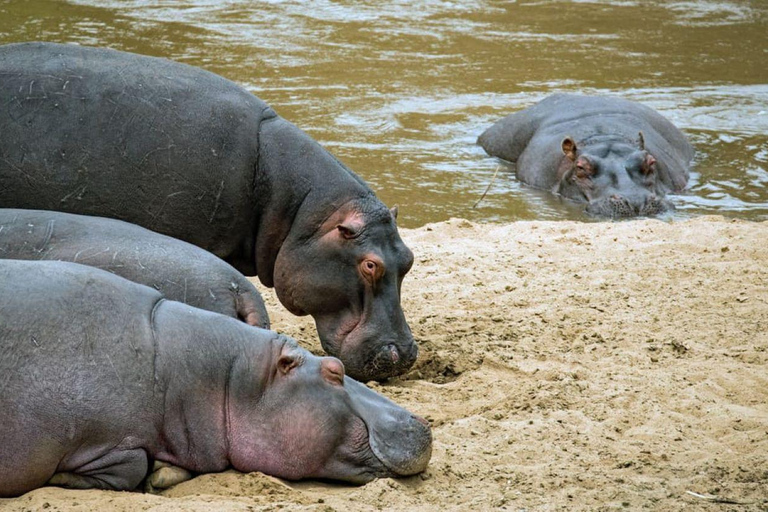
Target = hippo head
(348,275)
(616,179)
(310,421)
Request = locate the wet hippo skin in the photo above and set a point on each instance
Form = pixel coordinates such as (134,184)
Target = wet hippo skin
(619,157)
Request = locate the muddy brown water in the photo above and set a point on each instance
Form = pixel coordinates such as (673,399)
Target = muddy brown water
(400,90)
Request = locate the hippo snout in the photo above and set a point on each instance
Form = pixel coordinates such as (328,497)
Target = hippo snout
(619,207)
(399,439)
(408,450)
(392,359)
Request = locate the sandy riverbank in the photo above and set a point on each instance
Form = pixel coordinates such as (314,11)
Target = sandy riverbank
(563,366)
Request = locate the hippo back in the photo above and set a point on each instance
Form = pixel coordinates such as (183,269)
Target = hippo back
(157,143)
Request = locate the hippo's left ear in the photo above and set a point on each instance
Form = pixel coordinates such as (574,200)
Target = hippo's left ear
(569,148)
(393,211)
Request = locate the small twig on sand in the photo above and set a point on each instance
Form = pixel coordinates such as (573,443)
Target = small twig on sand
(488,187)
(717,499)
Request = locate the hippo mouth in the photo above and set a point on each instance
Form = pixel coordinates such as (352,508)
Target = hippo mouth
(400,441)
(416,433)
(619,207)
(379,362)
(366,354)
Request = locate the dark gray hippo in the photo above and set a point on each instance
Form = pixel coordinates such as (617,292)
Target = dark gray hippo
(619,157)
(178,270)
(101,377)
(191,155)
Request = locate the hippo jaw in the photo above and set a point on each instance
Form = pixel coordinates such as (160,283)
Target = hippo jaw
(369,351)
(620,207)
(401,441)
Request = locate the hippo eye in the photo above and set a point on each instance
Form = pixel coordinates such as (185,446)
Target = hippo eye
(583,170)
(371,269)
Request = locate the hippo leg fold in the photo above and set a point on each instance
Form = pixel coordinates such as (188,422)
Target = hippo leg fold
(116,471)
(165,475)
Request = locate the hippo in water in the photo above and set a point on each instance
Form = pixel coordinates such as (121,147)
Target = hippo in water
(619,157)
(178,270)
(100,377)
(189,154)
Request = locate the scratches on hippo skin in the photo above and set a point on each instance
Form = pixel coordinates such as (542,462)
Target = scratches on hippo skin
(217,202)
(47,238)
(153,330)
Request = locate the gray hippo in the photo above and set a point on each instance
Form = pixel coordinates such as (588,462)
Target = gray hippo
(100,377)
(178,270)
(191,155)
(619,157)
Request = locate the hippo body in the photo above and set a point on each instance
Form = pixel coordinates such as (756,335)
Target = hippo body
(178,270)
(619,157)
(101,376)
(191,155)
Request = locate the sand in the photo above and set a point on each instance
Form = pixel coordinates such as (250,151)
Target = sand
(563,366)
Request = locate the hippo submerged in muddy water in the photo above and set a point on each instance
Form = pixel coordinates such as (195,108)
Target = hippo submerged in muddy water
(619,157)
(178,270)
(101,376)
(189,154)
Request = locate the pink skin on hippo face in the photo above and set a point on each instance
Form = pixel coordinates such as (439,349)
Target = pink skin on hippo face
(358,320)
(313,422)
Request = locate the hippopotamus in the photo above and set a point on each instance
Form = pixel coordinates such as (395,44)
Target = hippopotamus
(101,377)
(180,271)
(619,157)
(191,155)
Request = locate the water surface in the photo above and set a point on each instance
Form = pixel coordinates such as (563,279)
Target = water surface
(400,90)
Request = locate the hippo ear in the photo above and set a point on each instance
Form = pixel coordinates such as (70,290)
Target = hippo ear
(393,211)
(350,227)
(569,148)
(641,141)
(286,363)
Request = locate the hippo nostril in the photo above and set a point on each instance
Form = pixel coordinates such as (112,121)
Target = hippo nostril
(394,353)
(420,420)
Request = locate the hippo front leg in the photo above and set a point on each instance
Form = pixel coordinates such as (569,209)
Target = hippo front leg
(250,306)
(116,471)
(165,475)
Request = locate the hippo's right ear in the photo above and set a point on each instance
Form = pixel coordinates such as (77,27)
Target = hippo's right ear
(569,148)
(286,363)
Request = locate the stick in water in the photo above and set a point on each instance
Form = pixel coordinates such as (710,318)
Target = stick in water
(489,186)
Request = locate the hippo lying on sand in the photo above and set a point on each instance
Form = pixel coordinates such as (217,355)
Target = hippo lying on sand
(178,270)
(619,157)
(100,376)
(189,154)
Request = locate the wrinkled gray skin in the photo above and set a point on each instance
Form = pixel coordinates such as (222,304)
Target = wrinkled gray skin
(191,155)
(101,376)
(619,157)
(178,270)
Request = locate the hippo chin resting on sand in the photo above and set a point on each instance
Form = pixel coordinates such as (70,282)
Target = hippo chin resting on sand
(178,270)
(191,155)
(101,376)
(619,157)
